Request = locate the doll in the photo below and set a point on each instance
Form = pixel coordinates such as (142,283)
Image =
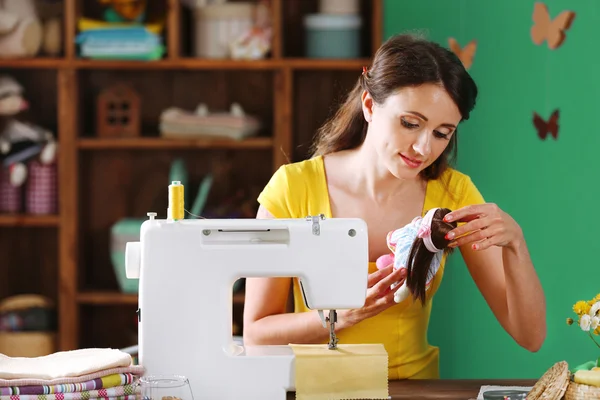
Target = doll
(419,247)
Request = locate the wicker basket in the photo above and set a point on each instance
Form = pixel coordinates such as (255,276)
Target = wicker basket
(578,391)
(27,344)
(552,385)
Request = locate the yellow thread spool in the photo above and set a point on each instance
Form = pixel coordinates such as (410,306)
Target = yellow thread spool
(176,204)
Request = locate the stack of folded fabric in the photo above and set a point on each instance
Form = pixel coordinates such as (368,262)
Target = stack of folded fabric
(86,374)
(120,43)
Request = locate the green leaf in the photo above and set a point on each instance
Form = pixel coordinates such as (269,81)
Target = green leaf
(585,366)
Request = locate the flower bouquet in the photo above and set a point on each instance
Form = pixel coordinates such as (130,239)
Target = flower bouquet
(585,378)
(588,317)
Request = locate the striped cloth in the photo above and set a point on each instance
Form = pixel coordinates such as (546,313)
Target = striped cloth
(104,382)
(114,392)
(10,196)
(41,189)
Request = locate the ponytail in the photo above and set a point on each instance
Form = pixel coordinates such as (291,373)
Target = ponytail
(347,129)
(420,257)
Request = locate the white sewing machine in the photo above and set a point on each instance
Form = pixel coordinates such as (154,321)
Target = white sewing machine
(186,270)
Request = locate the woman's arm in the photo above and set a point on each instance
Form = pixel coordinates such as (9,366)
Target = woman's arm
(266,320)
(494,249)
(265,317)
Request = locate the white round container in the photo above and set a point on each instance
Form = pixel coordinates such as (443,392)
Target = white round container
(217,25)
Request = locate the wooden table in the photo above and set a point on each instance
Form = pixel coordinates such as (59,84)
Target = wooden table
(444,389)
(447,389)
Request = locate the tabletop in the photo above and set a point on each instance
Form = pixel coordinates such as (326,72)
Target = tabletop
(445,389)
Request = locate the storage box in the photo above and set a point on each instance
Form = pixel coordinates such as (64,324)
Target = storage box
(332,35)
(218,25)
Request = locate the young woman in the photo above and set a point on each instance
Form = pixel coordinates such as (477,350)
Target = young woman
(384,157)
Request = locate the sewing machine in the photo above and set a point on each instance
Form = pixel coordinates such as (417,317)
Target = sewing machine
(186,269)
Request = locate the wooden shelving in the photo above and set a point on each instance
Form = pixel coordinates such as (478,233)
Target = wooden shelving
(16,220)
(102,181)
(171,144)
(106,298)
(327,64)
(187,64)
(37,63)
(116,298)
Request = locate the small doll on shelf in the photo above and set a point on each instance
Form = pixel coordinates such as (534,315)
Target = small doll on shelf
(419,247)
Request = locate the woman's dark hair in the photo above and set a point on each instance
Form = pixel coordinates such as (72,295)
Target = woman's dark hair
(419,258)
(402,61)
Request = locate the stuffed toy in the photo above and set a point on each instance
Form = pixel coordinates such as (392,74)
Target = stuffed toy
(20,141)
(24,32)
(419,248)
(124,10)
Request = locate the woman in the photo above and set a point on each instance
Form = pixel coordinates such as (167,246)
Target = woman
(384,158)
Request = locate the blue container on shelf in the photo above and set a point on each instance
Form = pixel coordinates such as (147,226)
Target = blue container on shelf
(333,35)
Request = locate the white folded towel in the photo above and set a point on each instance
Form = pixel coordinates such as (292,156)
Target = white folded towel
(62,364)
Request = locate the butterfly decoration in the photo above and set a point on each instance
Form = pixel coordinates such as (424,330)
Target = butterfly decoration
(546,127)
(551,30)
(465,54)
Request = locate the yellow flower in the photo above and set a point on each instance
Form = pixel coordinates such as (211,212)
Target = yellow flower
(581,307)
(597,298)
(597,331)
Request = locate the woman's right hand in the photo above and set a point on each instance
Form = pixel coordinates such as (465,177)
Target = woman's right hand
(380,296)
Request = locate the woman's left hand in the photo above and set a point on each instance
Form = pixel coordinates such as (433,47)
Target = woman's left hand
(486,225)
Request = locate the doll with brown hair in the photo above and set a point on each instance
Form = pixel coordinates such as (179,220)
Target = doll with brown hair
(419,247)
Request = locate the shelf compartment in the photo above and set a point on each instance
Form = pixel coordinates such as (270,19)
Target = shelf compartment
(122,183)
(29,261)
(173,144)
(159,90)
(156,12)
(310,112)
(294,32)
(40,92)
(24,220)
(111,325)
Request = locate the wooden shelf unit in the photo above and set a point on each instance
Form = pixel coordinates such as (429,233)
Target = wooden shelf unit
(103,180)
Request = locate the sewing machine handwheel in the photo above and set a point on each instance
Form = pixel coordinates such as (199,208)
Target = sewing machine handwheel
(132,260)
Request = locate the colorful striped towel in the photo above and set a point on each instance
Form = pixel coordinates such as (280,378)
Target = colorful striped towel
(104,382)
(58,397)
(117,391)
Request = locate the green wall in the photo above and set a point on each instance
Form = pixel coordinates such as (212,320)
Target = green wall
(550,187)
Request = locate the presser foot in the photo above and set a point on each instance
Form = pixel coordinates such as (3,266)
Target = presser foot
(329,322)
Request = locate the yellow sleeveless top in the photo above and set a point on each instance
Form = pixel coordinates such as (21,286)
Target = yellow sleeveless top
(300,189)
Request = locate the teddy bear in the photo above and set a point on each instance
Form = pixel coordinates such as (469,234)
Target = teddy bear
(27,27)
(20,141)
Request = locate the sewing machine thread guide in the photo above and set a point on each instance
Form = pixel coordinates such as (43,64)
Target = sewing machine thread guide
(316,228)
